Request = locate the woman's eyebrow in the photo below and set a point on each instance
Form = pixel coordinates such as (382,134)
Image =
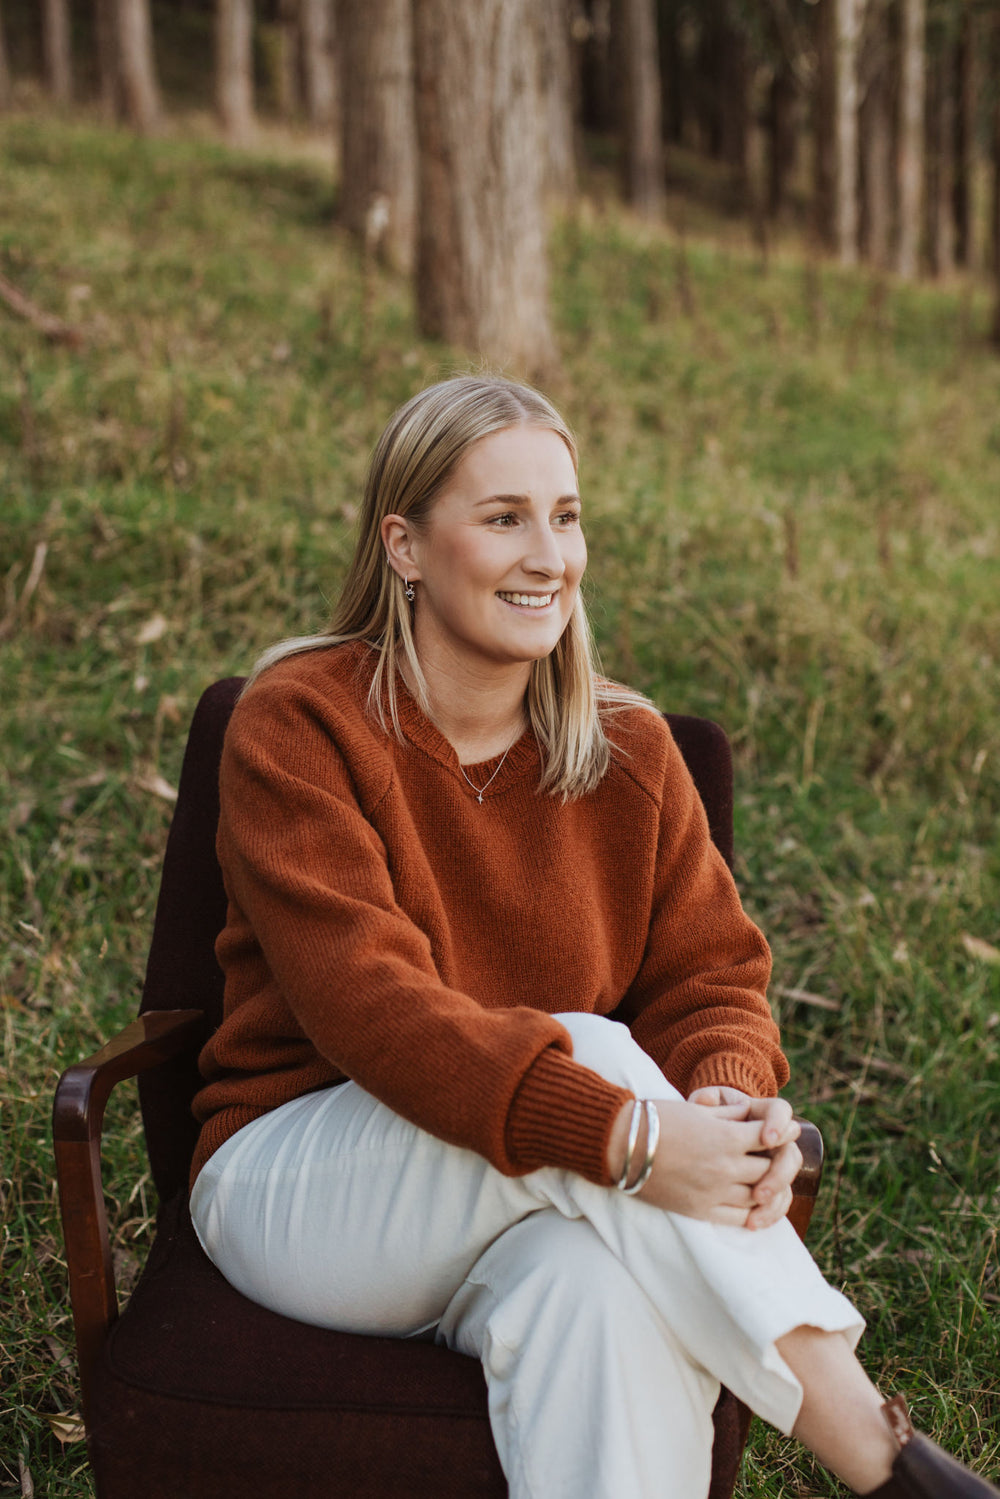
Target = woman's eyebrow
(524,499)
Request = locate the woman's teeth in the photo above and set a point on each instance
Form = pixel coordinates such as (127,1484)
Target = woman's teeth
(531,600)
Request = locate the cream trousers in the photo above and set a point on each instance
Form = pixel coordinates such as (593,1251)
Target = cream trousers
(604,1325)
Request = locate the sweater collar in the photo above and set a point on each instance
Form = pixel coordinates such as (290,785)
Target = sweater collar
(522,757)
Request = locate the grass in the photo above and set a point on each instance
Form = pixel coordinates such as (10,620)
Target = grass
(790,475)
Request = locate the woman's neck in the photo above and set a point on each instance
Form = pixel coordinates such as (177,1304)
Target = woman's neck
(480,716)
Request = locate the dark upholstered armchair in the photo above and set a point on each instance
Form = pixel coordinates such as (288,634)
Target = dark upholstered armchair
(193,1392)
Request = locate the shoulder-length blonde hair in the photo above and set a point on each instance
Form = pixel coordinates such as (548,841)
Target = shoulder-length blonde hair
(413,460)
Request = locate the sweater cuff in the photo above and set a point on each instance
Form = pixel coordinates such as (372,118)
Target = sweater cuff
(562,1115)
(723,1071)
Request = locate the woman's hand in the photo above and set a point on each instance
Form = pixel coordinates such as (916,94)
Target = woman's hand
(725,1160)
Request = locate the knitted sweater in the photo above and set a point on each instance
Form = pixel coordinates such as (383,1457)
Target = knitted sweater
(386,926)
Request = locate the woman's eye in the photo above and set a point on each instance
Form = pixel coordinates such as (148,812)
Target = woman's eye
(505,520)
(568,518)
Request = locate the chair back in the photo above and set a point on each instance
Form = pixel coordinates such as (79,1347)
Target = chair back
(182,972)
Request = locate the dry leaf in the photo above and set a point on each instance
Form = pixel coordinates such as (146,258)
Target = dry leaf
(154,629)
(27,1482)
(67,1427)
(157,786)
(804,997)
(977,948)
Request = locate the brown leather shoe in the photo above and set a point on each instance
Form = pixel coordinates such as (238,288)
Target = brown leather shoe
(922,1470)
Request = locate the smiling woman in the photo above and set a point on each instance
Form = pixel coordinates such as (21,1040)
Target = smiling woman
(452,851)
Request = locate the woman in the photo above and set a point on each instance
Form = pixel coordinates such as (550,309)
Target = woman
(450,853)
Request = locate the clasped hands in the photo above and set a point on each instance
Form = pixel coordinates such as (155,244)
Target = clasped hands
(723,1156)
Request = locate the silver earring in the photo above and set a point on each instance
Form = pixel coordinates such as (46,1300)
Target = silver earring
(409,590)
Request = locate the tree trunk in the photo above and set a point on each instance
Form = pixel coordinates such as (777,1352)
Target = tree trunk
(876,136)
(995,246)
(967,91)
(6,88)
(846,130)
(378,129)
(319,63)
(108,75)
(556,63)
(825,120)
(482,273)
(288,69)
(911,136)
(58,59)
(781,124)
(140,89)
(643,124)
(234,67)
(941,219)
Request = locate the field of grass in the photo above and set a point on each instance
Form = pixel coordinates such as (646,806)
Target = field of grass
(791,477)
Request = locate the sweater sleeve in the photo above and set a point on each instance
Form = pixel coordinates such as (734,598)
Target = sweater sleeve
(698,1004)
(309,878)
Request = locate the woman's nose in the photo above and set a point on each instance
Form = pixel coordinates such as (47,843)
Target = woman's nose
(544,555)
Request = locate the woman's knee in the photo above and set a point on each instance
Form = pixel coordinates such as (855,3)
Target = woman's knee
(607,1047)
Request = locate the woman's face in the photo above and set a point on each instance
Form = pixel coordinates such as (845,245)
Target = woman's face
(498,565)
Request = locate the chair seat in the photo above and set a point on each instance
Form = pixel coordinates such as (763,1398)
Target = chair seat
(198,1389)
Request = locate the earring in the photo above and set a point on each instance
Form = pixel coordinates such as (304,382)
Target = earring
(409,590)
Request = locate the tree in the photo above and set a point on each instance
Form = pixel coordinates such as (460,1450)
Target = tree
(910,155)
(995,143)
(941,126)
(847,17)
(643,126)
(378,130)
(288,39)
(319,62)
(56,38)
(140,89)
(482,272)
(875,120)
(6,90)
(556,64)
(825,114)
(234,67)
(108,72)
(967,91)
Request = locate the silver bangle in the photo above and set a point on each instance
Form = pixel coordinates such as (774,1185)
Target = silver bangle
(633,1135)
(652,1140)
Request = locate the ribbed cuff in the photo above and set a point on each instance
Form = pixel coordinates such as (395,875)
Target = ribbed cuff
(729,1071)
(562,1115)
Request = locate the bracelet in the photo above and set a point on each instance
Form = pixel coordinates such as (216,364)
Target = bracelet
(652,1140)
(633,1135)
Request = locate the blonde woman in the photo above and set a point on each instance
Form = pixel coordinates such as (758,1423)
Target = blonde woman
(451,851)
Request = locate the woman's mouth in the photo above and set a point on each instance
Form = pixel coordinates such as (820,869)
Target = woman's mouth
(527,600)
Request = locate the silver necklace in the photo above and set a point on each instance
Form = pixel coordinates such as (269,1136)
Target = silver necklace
(480,789)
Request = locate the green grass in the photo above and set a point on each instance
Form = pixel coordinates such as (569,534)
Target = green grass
(791,479)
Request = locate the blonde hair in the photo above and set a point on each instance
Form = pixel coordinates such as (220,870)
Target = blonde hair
(417,453)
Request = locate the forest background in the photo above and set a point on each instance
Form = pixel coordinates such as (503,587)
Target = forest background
(751,247)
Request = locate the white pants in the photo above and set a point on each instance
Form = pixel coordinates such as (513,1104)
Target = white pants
(604,1325)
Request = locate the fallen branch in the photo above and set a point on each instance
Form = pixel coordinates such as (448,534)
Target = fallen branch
(52,327)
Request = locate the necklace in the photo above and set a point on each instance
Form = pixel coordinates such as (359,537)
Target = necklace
(480,789)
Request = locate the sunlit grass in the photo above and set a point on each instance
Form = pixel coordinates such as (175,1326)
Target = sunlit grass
(791,479)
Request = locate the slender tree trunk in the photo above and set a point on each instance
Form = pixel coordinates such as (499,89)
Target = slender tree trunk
(995,236)
(482,274)
(599,94)
(140,90)
(556,64)
(108,75)
(781,122)
(825,120)
(846,217)
(643,133)
(234,67)
(875,119)
(941,217)
(58,59)
(319,63)
(967,91)
(289,73)
(911,135)
(378,129)
(6,88)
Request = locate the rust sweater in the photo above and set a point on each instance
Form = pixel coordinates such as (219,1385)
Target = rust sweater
(383,925)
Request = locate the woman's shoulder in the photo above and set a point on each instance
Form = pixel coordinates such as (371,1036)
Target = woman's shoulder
(321,689)
(643,748)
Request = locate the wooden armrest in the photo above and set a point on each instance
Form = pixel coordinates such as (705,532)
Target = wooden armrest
(77,1120)
(806,1184)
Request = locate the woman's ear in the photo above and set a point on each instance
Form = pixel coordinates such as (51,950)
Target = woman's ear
(397,538)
